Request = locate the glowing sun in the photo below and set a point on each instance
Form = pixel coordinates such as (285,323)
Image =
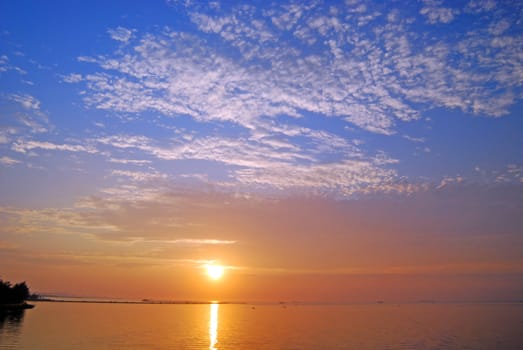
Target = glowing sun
(215,271)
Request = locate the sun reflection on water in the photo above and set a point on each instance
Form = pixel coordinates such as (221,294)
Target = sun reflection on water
(213,327)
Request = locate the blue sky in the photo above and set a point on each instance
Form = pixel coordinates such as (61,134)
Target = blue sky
(362,94)
(129,101)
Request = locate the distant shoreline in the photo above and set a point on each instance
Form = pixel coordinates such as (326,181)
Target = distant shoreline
(280,303)
(147,302)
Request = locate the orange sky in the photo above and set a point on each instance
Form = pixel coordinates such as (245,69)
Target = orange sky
(442,245)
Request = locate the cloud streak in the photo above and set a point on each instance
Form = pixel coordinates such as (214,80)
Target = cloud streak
(25,146)
(120,34)
(8,161)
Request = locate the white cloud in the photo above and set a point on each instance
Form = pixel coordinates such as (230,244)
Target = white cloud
(435,13)
(512,173)
(324,24)
(369,82)
(130,161)
(450,180)
(287,19)
(120,34)
(479,6)
(209,24)
(347,178)
(36,125)
(6,66)
(72,78)
(26,101)
(139,176)
(4,63)
(4,136)
(25,146)
(28,116)
(414,139)
(266,161)
(261,79)
(5,160)
(126,141)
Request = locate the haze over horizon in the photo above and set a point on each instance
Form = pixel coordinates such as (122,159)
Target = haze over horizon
(319,150)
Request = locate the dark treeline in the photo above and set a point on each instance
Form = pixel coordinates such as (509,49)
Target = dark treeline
(13,294)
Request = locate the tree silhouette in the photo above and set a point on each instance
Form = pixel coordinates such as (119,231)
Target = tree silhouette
(13,294)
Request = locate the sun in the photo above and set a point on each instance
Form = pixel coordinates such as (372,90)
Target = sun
(215,271)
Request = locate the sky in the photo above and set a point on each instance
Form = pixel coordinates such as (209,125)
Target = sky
(319,150)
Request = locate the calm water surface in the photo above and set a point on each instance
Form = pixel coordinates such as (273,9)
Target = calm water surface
(372,326)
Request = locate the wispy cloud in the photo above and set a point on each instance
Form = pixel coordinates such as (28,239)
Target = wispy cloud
(26,115)
(370,77)
(436,13)
(281,96)
(5,160)
(346,178)
(266,161)
(5,66)
(72,78)
(120,34)
(512,173)
(187,241)
(6,134)
(4,63)
(25,146)
(139,175)
(366,65)
(171,225)
(478,6)
(130,161)
(26,101)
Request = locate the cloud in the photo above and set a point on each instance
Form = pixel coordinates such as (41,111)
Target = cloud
(139,176)
(188,241)
(348,235)
(6,66)
(448,180)
(275,70)
(50,220)
(478,6)
(130,161)
(26,101)
(414,139)
(512,173)
(28,116)
(120,34)
(5,160)
(268,162)
(72,78)
(163,219)
(437,14)
(25,146)
(6,134)
(368,82)
(345,178)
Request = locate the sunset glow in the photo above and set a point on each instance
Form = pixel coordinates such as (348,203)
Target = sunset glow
(215,271)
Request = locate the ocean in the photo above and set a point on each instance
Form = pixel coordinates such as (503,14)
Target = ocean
(69,325)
